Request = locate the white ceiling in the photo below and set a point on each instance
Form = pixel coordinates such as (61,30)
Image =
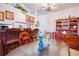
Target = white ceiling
(38,7)
(59,6)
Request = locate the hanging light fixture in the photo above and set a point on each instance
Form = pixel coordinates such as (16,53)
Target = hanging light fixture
(49,7)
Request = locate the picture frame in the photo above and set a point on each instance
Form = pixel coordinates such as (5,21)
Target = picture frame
(33,19)
(9,15)
(27,18)
(30,19)
(1,16)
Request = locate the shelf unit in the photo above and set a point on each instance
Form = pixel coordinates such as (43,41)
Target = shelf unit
(69,31)
(70,26)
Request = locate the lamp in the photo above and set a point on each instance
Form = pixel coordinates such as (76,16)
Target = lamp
(49,7)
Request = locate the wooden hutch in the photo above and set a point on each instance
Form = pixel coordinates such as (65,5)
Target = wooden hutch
(69,31)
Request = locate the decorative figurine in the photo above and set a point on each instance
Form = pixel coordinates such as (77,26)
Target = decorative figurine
(48,38)
(40,36)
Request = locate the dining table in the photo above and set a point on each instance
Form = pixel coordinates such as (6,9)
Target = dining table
(56,48)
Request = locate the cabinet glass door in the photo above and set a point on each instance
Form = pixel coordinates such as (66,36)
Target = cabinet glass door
(65,25)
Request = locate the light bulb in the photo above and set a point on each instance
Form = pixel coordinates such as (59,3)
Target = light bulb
(44,5)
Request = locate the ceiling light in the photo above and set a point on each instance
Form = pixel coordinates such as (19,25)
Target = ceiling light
(49,7)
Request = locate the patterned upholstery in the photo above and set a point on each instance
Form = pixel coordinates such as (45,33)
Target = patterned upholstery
(22,36)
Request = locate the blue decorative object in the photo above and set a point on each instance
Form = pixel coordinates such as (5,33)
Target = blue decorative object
(40,48)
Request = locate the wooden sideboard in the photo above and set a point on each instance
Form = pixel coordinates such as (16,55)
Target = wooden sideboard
(10,38)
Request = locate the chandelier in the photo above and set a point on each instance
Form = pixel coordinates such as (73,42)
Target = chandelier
(49,7)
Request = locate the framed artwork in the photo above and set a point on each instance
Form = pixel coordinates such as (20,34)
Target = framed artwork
(26,18)
(30,19)
(9,15)
(1,16)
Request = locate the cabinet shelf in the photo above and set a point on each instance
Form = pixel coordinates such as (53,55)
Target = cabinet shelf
(71,37)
